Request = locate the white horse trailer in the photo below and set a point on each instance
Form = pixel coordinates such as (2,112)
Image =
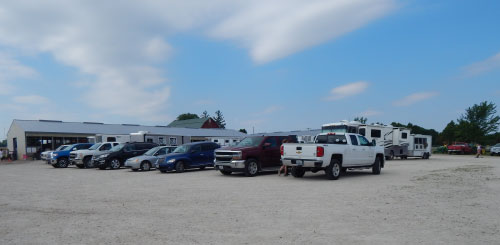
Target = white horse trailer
(169,140)
(224,141)
(99,138)
(420,146)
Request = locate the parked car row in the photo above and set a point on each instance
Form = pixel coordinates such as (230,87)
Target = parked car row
(333,153)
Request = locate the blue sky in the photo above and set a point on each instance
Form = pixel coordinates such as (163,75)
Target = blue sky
(284,65)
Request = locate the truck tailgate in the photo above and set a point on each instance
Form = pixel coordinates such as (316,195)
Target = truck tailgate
(299,151)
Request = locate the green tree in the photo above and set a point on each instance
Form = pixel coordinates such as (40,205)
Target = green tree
(243,130)
(3,143)
(449,133)
(204,115)
(219,119)
(186,116)
(362,120)
(478,121)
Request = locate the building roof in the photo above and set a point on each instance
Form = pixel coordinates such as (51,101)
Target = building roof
(312,132)
(91,128)
(189,123)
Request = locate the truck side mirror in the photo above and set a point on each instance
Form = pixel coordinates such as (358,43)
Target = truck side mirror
(374,143)
(266,145)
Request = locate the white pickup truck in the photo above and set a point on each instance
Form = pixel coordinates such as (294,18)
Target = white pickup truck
(334,153)
(83,158)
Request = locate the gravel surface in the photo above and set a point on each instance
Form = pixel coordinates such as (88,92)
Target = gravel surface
(443,200)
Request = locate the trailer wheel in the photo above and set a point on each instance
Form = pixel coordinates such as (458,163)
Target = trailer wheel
(391,155)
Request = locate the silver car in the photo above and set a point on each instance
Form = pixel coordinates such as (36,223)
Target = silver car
(147,160)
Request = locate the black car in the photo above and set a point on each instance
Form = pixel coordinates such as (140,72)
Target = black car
(120,153)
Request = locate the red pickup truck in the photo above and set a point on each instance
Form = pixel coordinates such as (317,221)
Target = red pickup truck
(252,155)
(459,148)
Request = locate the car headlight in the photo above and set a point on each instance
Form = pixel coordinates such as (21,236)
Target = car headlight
(237,156)
(171,160)
(54,154)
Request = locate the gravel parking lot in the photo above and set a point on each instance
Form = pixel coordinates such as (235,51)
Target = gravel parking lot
(446,199)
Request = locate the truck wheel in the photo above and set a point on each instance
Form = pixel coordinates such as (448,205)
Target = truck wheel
(87,162)
(114,163)
(333,170)
(179,167)
(377,167)
(62,162)
(251,168)
(225,172)
(298,172)
(145,166)
(80,166)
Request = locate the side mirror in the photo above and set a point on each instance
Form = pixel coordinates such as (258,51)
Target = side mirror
(266,145)
(74,149)
(374,143)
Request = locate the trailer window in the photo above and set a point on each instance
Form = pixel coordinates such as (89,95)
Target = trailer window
(404,135)
(375,133)
(362,131)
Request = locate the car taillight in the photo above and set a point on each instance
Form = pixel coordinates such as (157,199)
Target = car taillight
(320,151)
(282,150)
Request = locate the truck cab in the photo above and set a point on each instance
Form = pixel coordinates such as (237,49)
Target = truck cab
(251,155)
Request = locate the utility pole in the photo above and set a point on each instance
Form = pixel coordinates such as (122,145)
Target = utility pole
(253,130)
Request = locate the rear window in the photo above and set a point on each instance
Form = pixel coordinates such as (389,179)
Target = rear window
(331,139)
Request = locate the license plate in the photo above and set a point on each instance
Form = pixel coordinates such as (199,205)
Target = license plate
(299,162)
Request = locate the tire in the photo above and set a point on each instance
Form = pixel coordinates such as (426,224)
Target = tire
(225,172)
(298,172)
(202,167)
(377,166)
(146,166)
(114,163)
(63,163)
(179,167)
(333,170)
(87,162)
(80,166)
(391,155)
(251,167)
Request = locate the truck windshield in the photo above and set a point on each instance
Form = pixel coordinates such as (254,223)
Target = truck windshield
(181,149)
(331,139)
(250,141)
(60,147)
(95,147)
(117,148)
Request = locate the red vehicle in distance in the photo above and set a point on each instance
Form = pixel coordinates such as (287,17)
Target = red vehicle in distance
(459,148)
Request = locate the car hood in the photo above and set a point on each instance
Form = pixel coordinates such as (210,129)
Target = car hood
(176,155)
(233,148)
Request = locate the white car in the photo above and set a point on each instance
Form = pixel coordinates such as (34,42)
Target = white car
(495,150)
(334,153)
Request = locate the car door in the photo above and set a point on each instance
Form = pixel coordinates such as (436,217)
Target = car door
(206,149)
(352,153)
(270,152)
(196,155)
(367,155)
(129,151)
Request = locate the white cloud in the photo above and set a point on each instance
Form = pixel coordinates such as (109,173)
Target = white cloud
(414,98)
(30,99)
(348,90)
(122,45)
(490,64)
(275,29)
(11,69)
(369,113)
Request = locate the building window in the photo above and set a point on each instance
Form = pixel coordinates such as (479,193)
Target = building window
(404,135)
(161,141)
(173,141)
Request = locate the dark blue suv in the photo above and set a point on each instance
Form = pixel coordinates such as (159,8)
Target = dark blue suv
(191,155)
